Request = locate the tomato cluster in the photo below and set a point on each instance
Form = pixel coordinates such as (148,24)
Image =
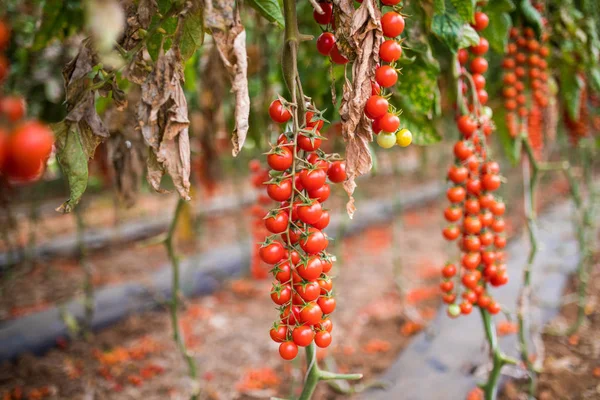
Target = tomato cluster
(386,121)
(24,146)
(475,215)
(326,42)
(526,72)
(297,247)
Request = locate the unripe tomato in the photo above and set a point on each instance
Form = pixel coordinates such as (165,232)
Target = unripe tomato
(386,140)
(390,51)
(392,24)
(404,137)
(453,310)
(386,76)
(325,43)
(279,113)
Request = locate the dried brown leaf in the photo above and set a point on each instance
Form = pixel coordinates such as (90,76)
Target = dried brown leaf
(146,9)
(362,35)
(223,20)
(163,117)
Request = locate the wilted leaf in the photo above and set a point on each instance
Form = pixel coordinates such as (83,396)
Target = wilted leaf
(363,38)
(223,19)
(146,9)
(163,117)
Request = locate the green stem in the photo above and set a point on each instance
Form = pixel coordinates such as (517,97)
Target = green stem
(175,295)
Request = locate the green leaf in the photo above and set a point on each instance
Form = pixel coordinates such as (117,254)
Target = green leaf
(571,86)
(468,37)
(270,9)
(594,78)
(499,6)
(532,16)
(158,39)
(448,28)
(439,6)
(423,130)
(73,160)
(418,89)
(498,30)
(192,35)
(465,8)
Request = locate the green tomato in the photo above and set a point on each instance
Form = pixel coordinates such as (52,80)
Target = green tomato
(386,140)
(453,310)
(487,111)
(403,137)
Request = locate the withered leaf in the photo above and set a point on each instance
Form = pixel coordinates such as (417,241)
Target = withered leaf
(163,118)
(223,20)
(363,34)
(146,9)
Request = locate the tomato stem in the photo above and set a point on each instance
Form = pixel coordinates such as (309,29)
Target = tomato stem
(175,294)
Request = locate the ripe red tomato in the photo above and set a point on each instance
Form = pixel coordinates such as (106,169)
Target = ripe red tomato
(494,307)
(451,232)
(483,96)
(325,43)
(280,159)
(326,17)
(446,286)
(277,222)
(326,325)
(486,200)
(313,120)
(453,214)
(486,238)
(321,194)
(314,241)
(471,243)
(484,301)
(310,269)
(312,179)
(479,65)
(471,260)
(449,271)
(498,225)
(314,159)
(309,291)
(472,225)
(479,81)
(470,296)
(303,335)
(466,125)
(323,221)
(458,174)
(456,194)
(488,257)
(449,298)
(474,186)
(472,206)
(281,294)
(376,107)
(323,339)
(288,350)
(462,150)
(279,113)
(13,107)
(278,333)
(481,48)
(327,304)
(311,314)
(490,167)
(486,218)
(282,271)
(500,279)
(4,67)
(272,253)
(281,191)
(463,56)
(337,57)
(470,279)
(386,76)
(308,143)
(481,21)
(392,24)
(390,51)
(500,242)
(310,213)
(28,148)
(337,172)
(466,308)
(389,122)
(491,182)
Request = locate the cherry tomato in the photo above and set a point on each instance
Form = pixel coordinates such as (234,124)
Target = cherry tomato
(451,232)
(403,137)
(310,268)
(314,241)
(28,148)
(494,308)
(463,56)
(390,2)
(283,272)
(323,221)
(311,314)
(323,339)
(449,298)
(471,260)
(486,238)
(453,214)
(327,264)
(449,270)
(479,81)
(281,191)
(474,186)
(486,218)
(4,35)
(466,125)
(278,333)
(389,123)
(472,225)
(280,159)
(471,243)
(470,280)
(481,21)
(325,18)
(309,213)
(458,174)
(486,200)
(466,308)
(326,285)
(325,43)
(337,172)
(326,325)
(3,148)
(484,301)
(479,65)
(13,107)
(281,294)
(308,143)
(462,151)
(288,350)
(456,194)
(446,286)
(491,182)
(392,24)
(271,253)
(4,67)
(327,304)
(386,140)
(472,206)
(376,107)
(337,57)
(390,51)
(303,335)
(498,225)
(312,179)
(321,194)
(277,222)
(470,296)
(500,242)
(481,48)
(279,113)
(386,76)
